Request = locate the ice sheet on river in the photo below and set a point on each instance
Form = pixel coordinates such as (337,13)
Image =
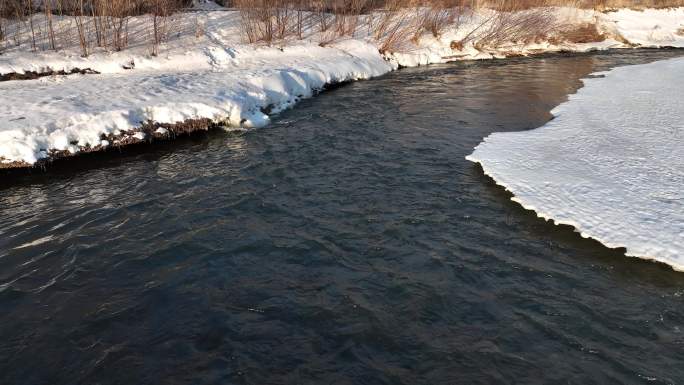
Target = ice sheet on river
(611,163)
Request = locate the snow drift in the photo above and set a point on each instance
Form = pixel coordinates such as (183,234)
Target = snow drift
(611,163)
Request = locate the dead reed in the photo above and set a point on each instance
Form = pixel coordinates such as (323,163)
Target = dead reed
(89,23)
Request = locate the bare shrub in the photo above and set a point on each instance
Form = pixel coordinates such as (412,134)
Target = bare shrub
(160,11)
(395,30)
(33,30)
(82,34)
(269,20)
(101,23)
(347,16)
(392,17)
(93,24)
(338,19)
(437,17)
(115,16)
(512,23)
(2,24)
(47,8)
(322,18)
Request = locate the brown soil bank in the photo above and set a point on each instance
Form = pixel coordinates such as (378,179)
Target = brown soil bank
(29,75)
(150,129)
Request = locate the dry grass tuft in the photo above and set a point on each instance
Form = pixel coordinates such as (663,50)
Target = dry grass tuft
(585,33)
(395,31)
(104,24)
(437,17)
(267,20)
(457,45)
(513,26)
(94,23)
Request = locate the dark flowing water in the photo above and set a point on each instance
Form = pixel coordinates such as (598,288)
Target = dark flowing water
(347,243)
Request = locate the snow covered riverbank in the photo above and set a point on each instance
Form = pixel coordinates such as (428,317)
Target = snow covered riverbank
(611,163)
(67,114)
(213,76)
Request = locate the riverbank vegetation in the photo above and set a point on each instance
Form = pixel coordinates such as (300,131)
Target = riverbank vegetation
(41,25)
(164,62)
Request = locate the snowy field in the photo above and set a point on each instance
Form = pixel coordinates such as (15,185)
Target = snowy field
(611,163)
(210,73)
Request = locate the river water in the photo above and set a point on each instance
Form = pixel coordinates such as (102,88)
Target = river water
(349,242)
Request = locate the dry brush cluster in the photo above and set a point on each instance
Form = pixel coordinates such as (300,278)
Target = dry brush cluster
(394,23)
(53,24)
(391,22)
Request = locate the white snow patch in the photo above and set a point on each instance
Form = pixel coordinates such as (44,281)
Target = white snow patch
(650,27)
(611,163)
(139,135)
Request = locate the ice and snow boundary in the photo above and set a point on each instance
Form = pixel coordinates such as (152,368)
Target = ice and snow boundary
(611,163)
(216,79)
